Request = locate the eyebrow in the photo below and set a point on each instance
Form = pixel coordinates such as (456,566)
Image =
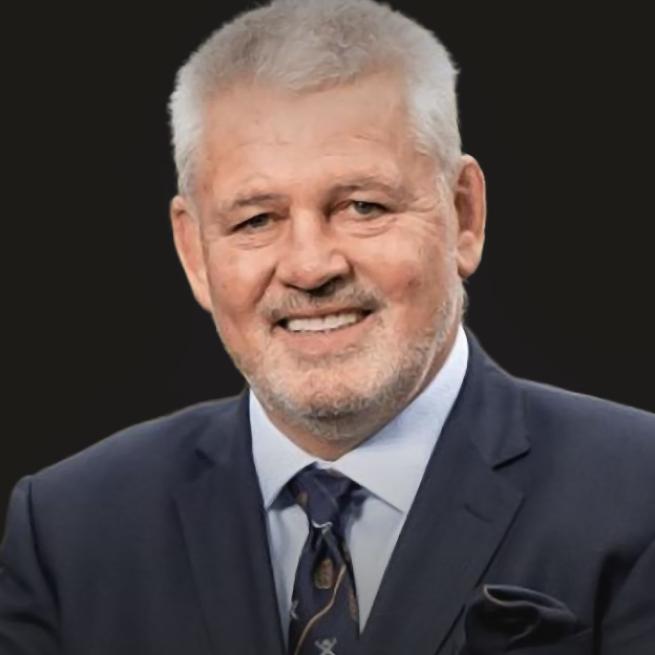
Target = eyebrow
(369,183)
(250,199)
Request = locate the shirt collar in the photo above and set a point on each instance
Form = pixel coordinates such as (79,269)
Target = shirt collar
(391,463)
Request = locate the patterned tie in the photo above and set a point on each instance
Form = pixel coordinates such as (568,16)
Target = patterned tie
(324,613)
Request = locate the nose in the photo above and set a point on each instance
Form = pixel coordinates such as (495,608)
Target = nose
(312,254)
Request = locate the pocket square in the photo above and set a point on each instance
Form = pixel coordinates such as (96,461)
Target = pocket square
(504,618)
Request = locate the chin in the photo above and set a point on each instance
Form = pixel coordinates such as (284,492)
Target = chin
(339,393)
(319,393)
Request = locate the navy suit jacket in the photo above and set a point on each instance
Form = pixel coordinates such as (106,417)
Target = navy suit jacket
(533,532)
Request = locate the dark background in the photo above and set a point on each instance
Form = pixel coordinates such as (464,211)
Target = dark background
(101,328)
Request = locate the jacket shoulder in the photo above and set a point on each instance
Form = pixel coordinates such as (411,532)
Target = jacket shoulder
(590,417)
(600,448)
(157,448)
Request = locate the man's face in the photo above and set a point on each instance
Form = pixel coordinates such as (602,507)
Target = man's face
(329,252)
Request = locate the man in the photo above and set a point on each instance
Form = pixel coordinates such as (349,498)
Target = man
(382,487)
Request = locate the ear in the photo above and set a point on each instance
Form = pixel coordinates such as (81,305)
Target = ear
(188,243)
(471,207)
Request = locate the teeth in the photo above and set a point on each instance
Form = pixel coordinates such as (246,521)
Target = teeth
(318,324)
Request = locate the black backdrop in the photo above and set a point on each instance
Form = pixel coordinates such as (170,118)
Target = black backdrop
(101,329)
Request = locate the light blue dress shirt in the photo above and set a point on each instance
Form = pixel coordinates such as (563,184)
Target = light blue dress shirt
(389,466)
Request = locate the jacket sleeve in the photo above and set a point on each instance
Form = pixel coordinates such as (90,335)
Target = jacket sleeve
(630,623)
(28,611)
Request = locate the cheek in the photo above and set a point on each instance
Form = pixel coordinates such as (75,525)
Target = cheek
(238,281)
(407,272)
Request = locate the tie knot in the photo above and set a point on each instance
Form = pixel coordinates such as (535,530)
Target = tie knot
(323,495)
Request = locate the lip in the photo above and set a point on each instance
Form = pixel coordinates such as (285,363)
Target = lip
(325,342)
(319,313)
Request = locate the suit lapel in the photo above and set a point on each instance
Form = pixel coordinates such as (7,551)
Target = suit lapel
(462,510)
(224,526)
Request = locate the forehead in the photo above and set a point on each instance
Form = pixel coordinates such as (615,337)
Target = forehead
(255,133)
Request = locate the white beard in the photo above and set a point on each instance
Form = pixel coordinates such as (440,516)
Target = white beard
(333,401)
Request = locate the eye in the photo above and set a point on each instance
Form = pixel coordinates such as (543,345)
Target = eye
(364,208)
(255,223)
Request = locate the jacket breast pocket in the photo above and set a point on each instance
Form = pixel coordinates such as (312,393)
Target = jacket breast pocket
(520,621)
(580,643)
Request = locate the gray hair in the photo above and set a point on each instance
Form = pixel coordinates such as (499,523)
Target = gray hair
(305,45)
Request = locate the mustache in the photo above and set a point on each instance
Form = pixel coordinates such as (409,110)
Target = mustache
(298,301)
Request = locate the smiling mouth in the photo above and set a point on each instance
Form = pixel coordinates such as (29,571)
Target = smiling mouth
(324,324)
